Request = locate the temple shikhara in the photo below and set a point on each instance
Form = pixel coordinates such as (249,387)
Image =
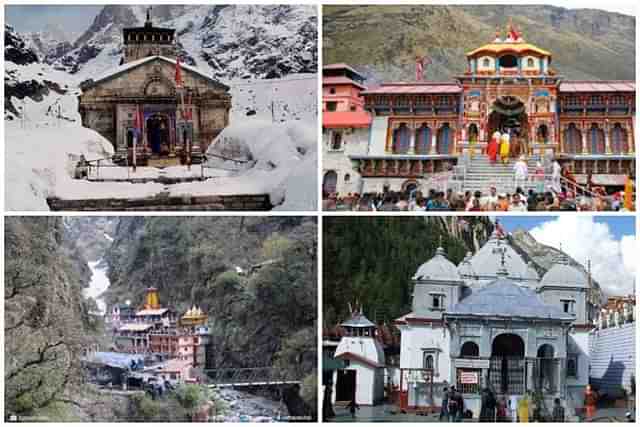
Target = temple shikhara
(166,111)
(407,135)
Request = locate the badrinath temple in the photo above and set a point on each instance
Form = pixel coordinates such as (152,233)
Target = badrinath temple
(407,135)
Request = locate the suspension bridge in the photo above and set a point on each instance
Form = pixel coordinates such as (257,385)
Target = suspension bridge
(251,377)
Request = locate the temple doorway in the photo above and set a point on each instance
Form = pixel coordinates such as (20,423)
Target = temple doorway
(509,115)
(158,133)
(507,364)
(346,385)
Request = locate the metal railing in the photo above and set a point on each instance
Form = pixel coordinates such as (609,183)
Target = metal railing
(250,376)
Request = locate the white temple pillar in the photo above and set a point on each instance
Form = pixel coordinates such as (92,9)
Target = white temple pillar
(584,140)
(412,139)
(434,140)
(607,140)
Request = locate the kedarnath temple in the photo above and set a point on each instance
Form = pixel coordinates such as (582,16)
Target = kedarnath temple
(398,136)
(172,111)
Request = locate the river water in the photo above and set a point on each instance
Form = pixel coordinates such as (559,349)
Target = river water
(99,283)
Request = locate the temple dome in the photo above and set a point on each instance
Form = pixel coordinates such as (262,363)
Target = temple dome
(517,48)
(437,268)
(465,268)
(563,274)
(487,261)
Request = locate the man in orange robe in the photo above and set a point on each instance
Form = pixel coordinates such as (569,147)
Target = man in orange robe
(590,400)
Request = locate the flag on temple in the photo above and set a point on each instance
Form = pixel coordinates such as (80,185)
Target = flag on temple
(178,73)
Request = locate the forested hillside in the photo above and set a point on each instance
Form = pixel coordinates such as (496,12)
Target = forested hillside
(370,261)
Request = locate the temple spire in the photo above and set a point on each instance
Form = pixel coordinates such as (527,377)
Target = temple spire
(148,22)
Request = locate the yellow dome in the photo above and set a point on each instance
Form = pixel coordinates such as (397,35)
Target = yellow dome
(497,48)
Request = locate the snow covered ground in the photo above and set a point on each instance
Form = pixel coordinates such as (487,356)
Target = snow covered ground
(275,118)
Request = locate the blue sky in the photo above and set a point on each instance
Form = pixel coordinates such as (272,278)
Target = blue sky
(618,225)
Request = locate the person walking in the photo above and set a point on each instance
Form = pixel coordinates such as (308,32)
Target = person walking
(590,401)
(444,409)
(487,406)
(521,172)
(453,405)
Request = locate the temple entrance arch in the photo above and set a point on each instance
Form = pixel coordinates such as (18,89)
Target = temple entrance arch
(158,134)
(329,182)
(507,364)
(509,114)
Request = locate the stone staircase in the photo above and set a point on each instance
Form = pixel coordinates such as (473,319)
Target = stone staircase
(481,174)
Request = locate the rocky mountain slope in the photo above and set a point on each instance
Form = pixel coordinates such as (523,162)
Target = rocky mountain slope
(46,320)
(244,41)
(382,41)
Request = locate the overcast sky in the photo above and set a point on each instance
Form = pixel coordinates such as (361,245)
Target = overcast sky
(76,19)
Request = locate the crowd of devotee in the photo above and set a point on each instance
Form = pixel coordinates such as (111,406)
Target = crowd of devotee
(556,195)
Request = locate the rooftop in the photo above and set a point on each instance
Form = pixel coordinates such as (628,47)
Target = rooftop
(598,86)
(358,320)
(341,80)
(152,312)
(415,88)
(135,327)
(505,298)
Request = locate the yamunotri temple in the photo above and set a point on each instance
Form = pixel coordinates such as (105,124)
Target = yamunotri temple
(399,135)
(178,122)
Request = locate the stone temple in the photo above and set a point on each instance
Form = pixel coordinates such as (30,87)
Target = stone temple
(494,321)
(140,100)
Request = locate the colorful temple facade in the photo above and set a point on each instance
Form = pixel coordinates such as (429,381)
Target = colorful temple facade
(421,128)
(158,330)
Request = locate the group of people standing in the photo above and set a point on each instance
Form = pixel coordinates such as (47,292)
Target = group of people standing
(503,145)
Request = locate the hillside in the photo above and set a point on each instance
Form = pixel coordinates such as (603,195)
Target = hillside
(382,41)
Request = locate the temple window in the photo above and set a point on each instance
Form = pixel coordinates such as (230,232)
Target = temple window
(428,362)
(596,136)
(595,100)
(444,142)
(332,106)
(486,63)
(401,139)
(469,349)
(617,100)
(347,177)
(508,61)
(530,63)
(572,101)
(573,139)
(423,139)
(336,140)
(619,139)
(332,90)
(568,306)
(437,302)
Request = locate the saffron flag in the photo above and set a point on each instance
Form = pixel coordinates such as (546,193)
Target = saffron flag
(178,73)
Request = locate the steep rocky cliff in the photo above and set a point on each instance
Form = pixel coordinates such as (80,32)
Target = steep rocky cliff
(383,41)
(46,320)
